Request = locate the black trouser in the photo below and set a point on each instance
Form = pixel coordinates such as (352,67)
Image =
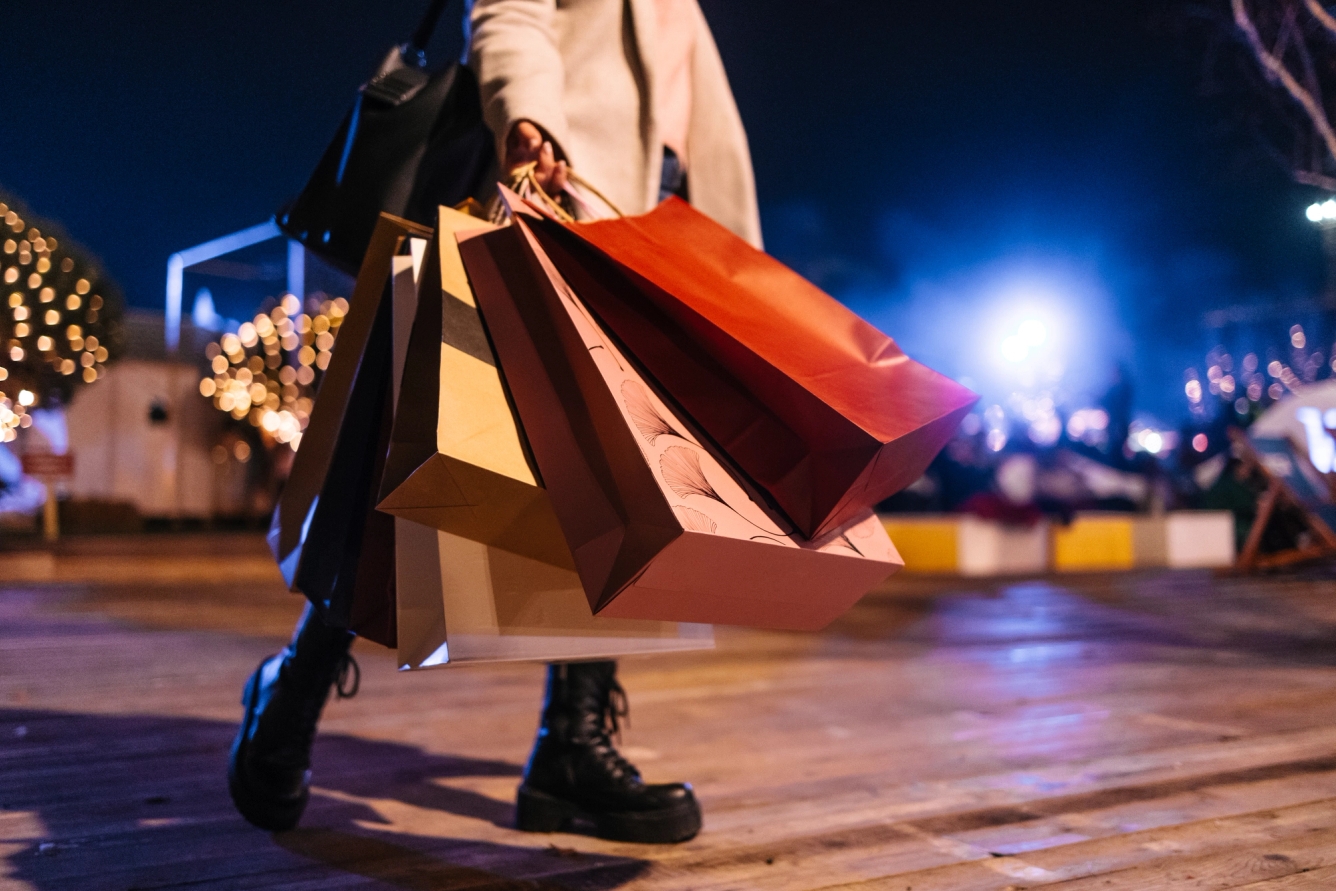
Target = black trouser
(673,180)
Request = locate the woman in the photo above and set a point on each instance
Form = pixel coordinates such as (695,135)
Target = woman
(631,94)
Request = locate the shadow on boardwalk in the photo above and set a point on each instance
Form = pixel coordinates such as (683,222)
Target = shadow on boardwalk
(89,801)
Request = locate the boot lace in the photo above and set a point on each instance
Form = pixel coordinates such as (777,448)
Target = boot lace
(348,666)
(298,750)
(616,710)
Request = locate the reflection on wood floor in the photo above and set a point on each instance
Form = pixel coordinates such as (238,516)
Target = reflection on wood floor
(1150,731)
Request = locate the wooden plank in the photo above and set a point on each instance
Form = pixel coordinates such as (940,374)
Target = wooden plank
(1139,860)
(1319,879)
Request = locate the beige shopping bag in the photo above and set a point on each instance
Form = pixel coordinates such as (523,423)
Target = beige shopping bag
(458,461)
(461,601)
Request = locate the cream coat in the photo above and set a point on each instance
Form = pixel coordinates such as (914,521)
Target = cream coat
(583,70)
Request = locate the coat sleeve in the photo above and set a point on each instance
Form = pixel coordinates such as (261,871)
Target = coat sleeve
(722,183)
(514,52)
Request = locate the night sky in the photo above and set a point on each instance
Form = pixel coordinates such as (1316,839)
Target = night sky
(926,162)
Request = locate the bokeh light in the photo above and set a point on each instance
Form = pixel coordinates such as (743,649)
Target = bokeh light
(47,338)
(267,372)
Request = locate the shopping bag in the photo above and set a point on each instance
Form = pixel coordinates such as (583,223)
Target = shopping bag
(328,540)
(822,411)
(457,458)
(372,612)
(461,601)
(659,523)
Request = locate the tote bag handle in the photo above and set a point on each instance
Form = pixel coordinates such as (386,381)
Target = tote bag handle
(426,27)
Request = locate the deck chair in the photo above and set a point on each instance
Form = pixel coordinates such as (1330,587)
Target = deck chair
(1290,479)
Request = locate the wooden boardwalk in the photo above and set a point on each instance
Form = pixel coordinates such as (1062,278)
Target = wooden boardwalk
(1151,731)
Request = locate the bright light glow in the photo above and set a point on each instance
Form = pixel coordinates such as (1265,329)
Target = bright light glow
(1152,441)
(1015,350)
(1032,332)
(1200,442)
(1322,211)
(1018,347)
(26,397)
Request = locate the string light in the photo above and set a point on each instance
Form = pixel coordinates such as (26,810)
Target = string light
(267,372)
(44,333)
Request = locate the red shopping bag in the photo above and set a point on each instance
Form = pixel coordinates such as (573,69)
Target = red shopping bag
(820,409)
(660,524)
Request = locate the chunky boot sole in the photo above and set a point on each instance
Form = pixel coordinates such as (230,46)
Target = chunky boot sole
(272,814)
(539,812)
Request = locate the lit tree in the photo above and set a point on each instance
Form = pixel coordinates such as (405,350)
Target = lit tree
(268,371)
(61,319)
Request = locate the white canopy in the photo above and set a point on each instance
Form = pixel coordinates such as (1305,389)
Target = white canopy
(1306,418)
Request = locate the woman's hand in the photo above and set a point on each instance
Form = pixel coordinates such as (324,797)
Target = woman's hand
(525,144)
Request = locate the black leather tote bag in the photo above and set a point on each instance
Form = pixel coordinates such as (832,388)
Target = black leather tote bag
(412,140)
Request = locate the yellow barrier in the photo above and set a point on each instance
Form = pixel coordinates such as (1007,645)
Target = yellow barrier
(927,545)
(969,546)
(1093,542)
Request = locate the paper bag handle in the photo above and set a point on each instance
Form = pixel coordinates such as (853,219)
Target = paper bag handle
(524,181)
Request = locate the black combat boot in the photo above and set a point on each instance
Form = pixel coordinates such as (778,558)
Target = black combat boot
(576,780)
(269,774)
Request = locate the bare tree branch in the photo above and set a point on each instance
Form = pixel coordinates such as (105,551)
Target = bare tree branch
(1311,81)
(1277,72)
(1321,181)
(1320,13)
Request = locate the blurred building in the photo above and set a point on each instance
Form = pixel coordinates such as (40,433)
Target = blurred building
(147,445)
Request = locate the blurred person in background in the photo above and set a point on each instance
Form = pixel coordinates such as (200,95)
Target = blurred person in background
(632,95)
(1117,402)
